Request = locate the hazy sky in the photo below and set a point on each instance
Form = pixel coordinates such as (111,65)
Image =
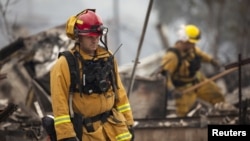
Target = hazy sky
(39,15)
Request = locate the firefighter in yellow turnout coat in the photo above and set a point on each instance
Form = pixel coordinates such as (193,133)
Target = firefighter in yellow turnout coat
(103,104)
(181,66)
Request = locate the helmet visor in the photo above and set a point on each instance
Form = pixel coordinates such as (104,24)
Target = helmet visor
(96,30)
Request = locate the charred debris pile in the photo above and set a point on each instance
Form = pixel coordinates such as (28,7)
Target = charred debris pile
(24,83)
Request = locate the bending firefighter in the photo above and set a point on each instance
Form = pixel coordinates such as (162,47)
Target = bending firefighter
(96,108)
(181,67)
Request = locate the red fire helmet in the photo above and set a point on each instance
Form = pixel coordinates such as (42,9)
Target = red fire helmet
(88,23)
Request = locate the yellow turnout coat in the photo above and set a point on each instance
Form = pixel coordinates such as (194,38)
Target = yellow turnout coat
(89,105)
(208,92)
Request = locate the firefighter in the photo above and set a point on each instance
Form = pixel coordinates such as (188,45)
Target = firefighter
(181,67)
(100,99)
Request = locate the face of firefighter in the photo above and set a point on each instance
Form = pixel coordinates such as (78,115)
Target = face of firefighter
(89,44)
(179,44)
(187,46)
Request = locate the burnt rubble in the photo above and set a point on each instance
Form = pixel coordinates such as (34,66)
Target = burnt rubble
(24,89)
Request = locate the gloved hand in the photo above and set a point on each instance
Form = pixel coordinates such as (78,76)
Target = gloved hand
(71,139)
(163,72)
(131,130)
(176,93)
(215,63)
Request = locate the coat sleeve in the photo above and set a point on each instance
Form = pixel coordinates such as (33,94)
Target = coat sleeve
(122,104)
(59,83)
(169,65)
(205,57)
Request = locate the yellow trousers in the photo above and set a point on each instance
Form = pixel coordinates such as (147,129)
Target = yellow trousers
(208,92)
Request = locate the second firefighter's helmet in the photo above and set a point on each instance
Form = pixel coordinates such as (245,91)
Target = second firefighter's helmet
(189,33)
(86,23)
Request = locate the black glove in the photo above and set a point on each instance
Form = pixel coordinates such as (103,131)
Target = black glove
(48,125)
(163,72)
(71,139)
(176,93)
(131,130)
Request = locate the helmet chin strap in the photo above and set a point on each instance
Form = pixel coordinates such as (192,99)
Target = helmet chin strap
(104,42)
